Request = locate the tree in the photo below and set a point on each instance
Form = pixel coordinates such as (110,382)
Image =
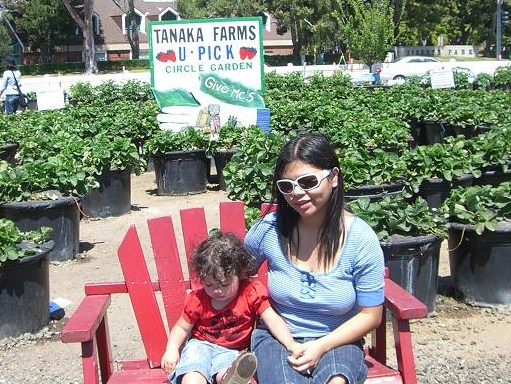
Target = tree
(301,19)
(369,30)
(200,9)
(86,26)
(128,7)
(45,24)
(5,49)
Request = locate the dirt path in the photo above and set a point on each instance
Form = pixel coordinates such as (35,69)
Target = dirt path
(469,334)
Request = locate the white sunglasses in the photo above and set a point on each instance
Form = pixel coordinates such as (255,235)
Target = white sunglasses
(305,182)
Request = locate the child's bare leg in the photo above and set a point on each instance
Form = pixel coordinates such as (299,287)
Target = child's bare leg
(193,378)
(337,380)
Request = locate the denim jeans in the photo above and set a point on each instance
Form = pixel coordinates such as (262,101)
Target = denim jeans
(204,357)
(273,367)
(11,104)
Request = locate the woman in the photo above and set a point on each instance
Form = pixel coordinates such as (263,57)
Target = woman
(325,271)
(10,86)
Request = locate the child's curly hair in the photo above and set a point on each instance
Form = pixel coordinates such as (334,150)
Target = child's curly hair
(222,255)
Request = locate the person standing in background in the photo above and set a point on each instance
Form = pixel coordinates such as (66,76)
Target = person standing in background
(10,87)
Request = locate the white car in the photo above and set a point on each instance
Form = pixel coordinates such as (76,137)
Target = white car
(407,66)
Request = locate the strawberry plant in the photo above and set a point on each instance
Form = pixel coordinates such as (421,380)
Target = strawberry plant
(482,206)
(12,239)
(394,215)
(168,141)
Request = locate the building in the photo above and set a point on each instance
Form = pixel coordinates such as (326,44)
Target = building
(110,28)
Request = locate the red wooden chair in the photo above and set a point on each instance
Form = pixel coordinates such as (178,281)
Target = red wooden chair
(89,325)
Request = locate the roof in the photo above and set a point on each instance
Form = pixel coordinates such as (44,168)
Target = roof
(110,17)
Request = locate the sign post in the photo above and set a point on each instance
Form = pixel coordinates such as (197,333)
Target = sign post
(204,72)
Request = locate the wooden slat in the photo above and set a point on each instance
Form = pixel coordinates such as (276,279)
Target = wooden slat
(144,376)
(168,266)
(195,231)
(401,303)
(85,321)
(232,218)
(142,297)
(380,373)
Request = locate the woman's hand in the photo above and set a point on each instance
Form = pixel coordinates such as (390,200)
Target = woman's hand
(169,360)
(305,357)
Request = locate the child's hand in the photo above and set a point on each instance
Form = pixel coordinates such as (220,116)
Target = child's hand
(295,349)
(169,360)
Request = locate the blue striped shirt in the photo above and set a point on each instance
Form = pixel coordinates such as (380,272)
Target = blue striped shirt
(313,303)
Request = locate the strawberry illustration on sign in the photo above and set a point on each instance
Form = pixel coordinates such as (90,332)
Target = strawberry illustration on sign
(170,55)
(247,53)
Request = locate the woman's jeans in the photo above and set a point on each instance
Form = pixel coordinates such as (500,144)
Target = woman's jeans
(11,104)
(273,368)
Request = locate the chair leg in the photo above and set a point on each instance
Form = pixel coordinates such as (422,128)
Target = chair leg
(404,350)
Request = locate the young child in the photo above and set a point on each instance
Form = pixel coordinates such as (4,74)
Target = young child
(218,319)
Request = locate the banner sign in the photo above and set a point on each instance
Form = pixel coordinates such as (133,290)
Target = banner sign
(204,72)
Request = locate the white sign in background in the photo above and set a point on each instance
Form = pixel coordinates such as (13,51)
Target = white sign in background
(50,99)
(442,78)
(205,71)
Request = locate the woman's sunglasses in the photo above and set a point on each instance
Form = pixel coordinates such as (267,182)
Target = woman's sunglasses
(305,182)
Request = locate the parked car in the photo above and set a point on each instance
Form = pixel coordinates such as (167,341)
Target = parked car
(406,66)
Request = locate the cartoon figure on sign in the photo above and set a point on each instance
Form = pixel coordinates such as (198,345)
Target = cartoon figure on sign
(214,119)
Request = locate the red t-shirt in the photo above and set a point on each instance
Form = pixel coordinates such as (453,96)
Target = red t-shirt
(232,325)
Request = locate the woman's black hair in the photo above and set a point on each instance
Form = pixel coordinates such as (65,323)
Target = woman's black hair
(313,149)
(222,255)
(10,65)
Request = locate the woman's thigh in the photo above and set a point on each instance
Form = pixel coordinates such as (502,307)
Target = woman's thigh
(273,368)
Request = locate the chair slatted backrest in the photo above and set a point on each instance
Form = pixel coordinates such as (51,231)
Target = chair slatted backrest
(232,218)
(143,300)
(168,266)
(195,231)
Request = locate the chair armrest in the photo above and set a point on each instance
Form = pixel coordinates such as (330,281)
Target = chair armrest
(402,304)
(84,323)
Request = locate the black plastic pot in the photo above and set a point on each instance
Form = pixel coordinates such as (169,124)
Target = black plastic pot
(493,175)
(413,264)
(32,104)
(435,190)
(181,172)
(431,132)
(481,264)
(8,153)
(25,293)
(63,215)
(221,159)
(374,192)
(112,198)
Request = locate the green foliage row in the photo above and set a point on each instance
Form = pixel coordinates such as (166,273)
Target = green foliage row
(65,150)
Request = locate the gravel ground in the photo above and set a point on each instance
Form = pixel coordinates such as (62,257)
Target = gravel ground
(461,344)
(458,344)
